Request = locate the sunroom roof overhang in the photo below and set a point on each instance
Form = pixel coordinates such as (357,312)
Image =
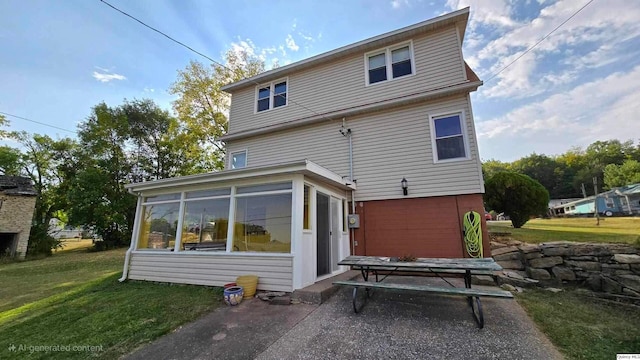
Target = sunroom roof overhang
(304,167)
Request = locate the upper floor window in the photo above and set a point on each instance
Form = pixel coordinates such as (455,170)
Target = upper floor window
(389,63)
(449,139)
(239,159)
(271,95)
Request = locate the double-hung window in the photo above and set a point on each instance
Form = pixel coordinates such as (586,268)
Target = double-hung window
(389,63)
(271,95)
(449,139)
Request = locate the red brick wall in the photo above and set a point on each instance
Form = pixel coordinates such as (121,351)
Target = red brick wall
(422,227)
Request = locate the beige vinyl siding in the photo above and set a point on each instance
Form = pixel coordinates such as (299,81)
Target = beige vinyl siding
(387,146)
(341,84)
(274,272)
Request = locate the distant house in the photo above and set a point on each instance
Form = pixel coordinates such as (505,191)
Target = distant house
(58,230)
(17,201)
(392,112)
(624,200)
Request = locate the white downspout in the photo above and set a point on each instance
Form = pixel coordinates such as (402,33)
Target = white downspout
(134,240)
(349,134)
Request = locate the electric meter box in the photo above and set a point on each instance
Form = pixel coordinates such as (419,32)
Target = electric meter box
(354,221)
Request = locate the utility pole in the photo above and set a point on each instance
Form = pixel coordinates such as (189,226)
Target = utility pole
(595,200)
(584,192)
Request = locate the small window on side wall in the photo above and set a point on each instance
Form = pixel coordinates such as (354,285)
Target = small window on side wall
(272,95)
(389,63)
(449,139)
(239,159)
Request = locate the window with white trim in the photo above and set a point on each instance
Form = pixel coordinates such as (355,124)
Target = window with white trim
(449,137)
(239,159)
(389,63)
(271,95)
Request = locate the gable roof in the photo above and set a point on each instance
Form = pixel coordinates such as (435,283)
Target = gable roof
(458,18)
(17,185)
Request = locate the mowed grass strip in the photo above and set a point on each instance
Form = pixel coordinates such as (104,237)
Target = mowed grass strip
(611,230)
(583,327)
(86,305)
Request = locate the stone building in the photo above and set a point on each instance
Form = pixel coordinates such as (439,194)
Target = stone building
(17,202)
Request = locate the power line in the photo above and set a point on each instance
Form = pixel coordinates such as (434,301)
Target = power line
(203,55)
(37,122)
(539,41)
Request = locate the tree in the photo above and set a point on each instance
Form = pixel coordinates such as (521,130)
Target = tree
(9,161)
(544,169)
(517,195)
(491,167)
(201,105)
(158,148)
(621,175)
(44,161)
(100,201)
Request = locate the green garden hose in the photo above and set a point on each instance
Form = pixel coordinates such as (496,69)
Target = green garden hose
(473,234)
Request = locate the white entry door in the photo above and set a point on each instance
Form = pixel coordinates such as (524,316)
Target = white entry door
(328,219)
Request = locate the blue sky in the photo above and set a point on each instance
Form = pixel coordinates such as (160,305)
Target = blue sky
(60,58)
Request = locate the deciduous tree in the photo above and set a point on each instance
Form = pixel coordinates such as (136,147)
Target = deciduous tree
(517,195)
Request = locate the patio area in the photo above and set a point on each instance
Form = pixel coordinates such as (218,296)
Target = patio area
(392,325)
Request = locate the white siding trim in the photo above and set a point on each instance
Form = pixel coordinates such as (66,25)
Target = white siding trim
(473,133)
(464,70)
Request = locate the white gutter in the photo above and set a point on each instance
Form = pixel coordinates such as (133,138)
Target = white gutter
(134,237)
(305,167)
(464,87)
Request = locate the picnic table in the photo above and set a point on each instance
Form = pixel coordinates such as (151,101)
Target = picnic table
(379,266)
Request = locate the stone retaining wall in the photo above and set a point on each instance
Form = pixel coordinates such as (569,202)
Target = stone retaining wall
(611,268)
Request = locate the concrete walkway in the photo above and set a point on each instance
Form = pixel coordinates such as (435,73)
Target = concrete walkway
(392,325)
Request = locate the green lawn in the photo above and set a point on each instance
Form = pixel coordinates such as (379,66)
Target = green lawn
(582,327)
(74,298)
(610,230)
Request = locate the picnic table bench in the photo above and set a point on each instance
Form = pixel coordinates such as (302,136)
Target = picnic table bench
(436,266)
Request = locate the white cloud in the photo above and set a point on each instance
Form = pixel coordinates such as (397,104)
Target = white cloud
(105,76)
(606,107)
(149,90)
(604,25)
(291,44)
(396,4)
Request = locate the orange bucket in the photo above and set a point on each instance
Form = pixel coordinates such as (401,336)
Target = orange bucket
(249,283)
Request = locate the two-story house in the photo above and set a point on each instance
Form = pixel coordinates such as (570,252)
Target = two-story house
(382,128)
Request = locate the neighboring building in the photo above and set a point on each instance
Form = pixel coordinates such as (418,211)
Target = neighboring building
(554,205)
(624,200)
(313,141)
(58,230)
(17,201)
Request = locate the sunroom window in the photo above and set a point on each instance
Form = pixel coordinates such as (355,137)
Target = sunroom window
(263,219)
(159,225)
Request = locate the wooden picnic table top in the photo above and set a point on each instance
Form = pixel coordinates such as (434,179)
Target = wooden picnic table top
(422,263)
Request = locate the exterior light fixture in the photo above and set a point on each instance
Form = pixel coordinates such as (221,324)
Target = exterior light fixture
(405,186)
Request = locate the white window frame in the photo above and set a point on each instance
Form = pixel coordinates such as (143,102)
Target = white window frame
(387,51)
(463,130)
(272,90)
(246,158)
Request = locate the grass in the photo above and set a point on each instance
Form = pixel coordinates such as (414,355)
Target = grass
(582,327)
(74,298)
(611,230)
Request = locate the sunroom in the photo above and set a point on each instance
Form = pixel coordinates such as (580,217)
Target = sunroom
(289,227)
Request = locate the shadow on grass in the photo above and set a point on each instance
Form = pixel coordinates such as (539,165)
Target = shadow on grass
(115,317)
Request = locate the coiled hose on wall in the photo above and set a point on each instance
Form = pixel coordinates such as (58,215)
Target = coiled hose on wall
(472,225)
